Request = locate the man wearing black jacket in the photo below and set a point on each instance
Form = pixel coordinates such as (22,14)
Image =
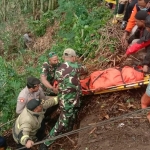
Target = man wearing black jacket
(142,37)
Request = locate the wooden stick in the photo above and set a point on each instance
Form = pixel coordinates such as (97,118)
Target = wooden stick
(71,140)
(134,58)
(92,130)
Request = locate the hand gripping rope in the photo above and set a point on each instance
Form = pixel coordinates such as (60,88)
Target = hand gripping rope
(140,111)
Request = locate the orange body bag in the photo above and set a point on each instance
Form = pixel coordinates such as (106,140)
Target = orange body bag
(111,77)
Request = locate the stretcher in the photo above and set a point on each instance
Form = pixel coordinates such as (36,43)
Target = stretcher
(120,87)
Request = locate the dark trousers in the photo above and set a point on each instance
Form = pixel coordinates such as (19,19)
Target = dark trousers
(121,8)
(51,110)
(41,132)
(129,9)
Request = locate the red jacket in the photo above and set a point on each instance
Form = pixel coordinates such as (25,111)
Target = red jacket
(143,42)
(137,46)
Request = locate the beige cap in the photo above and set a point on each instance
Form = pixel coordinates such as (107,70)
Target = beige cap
(69,52)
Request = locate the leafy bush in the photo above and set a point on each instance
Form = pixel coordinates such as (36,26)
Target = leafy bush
(11,34)
(38,27)
(79,26)
(79,22)
(10,85)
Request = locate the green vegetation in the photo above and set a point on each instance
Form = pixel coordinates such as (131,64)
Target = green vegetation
(79,27)
(10,84)
(79,22)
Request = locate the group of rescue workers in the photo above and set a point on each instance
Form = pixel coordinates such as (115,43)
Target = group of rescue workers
(136,36)
(32,103)
(60,86)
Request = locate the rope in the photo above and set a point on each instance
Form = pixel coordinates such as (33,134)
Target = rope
(7,122)
(92,125)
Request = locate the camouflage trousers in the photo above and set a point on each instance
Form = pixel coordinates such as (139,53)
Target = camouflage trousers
(65,122)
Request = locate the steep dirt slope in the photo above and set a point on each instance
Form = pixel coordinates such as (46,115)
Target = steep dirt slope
(134,132)
(45,42)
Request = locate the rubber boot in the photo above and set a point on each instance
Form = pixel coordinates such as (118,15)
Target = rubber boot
(121,8)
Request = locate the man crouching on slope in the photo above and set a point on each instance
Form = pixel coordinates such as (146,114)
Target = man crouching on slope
(28,126)
(143,40)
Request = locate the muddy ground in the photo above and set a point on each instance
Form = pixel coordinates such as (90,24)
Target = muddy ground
(132,133)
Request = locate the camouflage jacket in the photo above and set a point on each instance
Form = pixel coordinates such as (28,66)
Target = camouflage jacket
(49,71)
(69,88)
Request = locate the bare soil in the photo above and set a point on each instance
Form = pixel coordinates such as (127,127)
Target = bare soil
(132,133)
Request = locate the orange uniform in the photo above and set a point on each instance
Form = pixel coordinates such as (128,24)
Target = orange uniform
(145,102)
(131,21)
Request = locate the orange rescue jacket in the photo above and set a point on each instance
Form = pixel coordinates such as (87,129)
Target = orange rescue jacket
(131,21)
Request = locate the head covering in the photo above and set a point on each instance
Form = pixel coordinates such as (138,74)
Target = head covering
(51,54)
(69,52)
(147,21)
(32,81)
(141,15)
(33,103)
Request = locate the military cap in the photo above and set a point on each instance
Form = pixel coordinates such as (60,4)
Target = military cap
(69,52)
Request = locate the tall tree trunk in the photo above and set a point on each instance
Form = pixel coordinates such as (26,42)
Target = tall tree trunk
(52,4)
(4,6)
(33,6)
(38,4)
(49,5)
(18,6)
(41,9)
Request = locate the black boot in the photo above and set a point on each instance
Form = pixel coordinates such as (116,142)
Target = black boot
(121,8)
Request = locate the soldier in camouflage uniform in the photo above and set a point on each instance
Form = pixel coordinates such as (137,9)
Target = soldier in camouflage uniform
(69,92)
(48,73)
